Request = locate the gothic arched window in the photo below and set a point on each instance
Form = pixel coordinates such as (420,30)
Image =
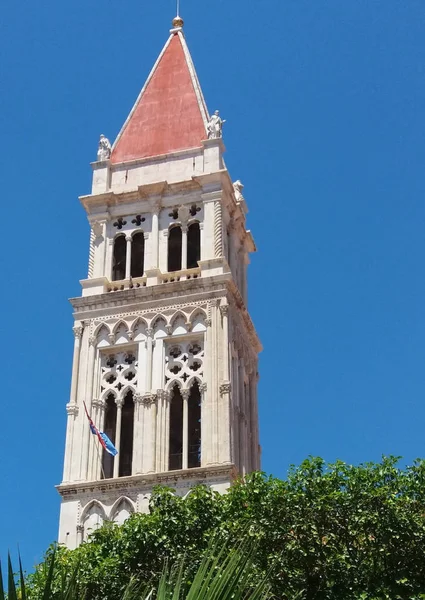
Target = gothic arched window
(138,254)
(175,460)
(193,245)
(119,258)
(175,248)
(109,428)
(126,442)
(194,427)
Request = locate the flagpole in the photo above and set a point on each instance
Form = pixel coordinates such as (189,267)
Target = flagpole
(100,459)
(97,447)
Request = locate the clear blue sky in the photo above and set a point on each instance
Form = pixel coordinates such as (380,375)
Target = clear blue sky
(324,101)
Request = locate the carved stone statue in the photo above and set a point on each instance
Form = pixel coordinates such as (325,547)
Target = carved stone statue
(104,148)
(238,187)
(215,126)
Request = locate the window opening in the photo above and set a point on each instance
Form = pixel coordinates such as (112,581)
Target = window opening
(125,455)
(120,255)
(194,427)
(176,430)
(175,249)
(193,245)
(138,254)
(109,429)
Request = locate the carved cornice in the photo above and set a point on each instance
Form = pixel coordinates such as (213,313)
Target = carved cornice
(72,409)
(144,483)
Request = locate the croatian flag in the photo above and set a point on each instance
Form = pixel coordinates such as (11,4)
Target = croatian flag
(102,437)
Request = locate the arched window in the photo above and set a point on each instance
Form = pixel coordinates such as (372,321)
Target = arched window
(176,430)
(138,254)
(109,428)
(126,442)
(175,249)
(119,258)
(193,245)
(194,427)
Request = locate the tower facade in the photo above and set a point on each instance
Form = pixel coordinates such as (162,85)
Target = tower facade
(165,353)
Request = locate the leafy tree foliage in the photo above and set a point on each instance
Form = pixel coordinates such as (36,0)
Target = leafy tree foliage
(326,532)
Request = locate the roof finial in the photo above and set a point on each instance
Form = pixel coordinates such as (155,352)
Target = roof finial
(178,21)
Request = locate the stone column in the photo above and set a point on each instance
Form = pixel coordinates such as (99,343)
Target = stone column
(155,237)
(225,389)
(119,402)
(184,247)
(78,333)
(72,411)
(88,400)
(185,395)
(206,406)
(149,352)
(128,239)
(109,258)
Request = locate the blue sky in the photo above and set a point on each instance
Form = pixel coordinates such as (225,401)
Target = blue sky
(324,102)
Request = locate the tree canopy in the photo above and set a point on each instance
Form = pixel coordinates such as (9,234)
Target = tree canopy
(329,531)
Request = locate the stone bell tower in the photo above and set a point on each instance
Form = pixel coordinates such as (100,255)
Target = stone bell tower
(165,353)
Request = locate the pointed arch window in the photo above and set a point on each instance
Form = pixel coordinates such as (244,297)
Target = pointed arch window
(175,461)
(109,428)
(193,245)
(119,258)
(175,248)
(125,455)
(185,428)
(138,254)
(194,427)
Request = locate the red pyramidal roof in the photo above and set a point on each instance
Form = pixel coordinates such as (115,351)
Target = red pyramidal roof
(170,112)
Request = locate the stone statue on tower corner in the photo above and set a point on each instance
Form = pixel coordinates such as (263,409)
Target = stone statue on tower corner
(215,126)
(104,149)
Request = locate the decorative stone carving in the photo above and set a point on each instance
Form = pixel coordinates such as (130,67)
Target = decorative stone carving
(72,409)
(225,388)
(119,402)
(145,399)
(224,309)
(215,126)
(185,394)
(104,148)
(203,387)
(78,331)
(238,187)
(111,338)
(92,340)
(97,228)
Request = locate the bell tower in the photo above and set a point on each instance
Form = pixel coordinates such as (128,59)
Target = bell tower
(165,353)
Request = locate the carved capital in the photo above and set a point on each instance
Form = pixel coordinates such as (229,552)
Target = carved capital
(111,338)
(78,331)
(224,309)
(92,340)
(163,394)
(80,528)
(208,322)
(72,409)
(185,394)
(119,402)
(169,329)
(203,387)
(149,332)
(128,238)
(130,334)
(225,388)
(145,399)
(96,403)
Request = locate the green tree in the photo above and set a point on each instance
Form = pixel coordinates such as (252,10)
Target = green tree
(326,532)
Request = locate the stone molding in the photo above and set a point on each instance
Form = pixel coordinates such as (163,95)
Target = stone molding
(72,409)
(139,482)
